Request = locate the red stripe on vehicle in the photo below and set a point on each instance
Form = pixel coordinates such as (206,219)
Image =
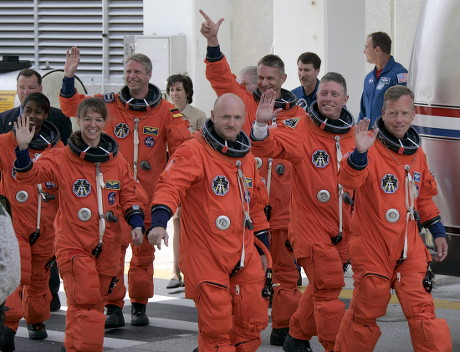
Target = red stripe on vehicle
(434,111)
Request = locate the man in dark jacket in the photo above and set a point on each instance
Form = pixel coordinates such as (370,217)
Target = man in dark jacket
(30,81)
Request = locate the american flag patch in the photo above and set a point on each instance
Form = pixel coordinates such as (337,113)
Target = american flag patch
(402,77)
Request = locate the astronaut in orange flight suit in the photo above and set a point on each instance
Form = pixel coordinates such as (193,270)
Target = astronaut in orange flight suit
(320,218)
(145,127)
(216,173)
(32,297)
(393,188)
(222,80)
(96,187)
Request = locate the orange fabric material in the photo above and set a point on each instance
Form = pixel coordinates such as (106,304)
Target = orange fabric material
(72,174)
(320,308)
(165,130)
(280,191)
(32,297)
(159,132)
(313,223)
(190,179)
(26,225)
(224,81)
(140,274)
(370,224)
(117,297)
(86,291)
(231,310)
(287,296)
(375,246)
(311,220)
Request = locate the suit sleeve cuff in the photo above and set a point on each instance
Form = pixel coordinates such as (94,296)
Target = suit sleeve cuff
(437,229)
(68,87)
(214,54)
(23,162)
(160,216)
(263,237)
(137,220)
(357,160)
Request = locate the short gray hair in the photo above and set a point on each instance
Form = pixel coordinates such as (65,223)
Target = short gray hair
(142,59)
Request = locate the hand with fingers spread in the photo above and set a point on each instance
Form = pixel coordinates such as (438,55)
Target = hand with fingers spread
(157,234)
(265,112)
(24,134)
(363,139)
(210,29)
(72,60)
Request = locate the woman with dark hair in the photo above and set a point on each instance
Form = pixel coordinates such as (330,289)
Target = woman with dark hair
(180,89)
(96,188)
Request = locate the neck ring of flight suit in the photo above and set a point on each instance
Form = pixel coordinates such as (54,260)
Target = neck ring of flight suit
(237,149)
(287,100)
(406,146)
(107,149)
(47,138)
(341,126)
(152,99)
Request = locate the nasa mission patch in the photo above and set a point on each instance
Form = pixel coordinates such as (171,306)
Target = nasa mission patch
(81,188)
(320,158)
(291,123)
(389,183)
(220,185)
(121,130)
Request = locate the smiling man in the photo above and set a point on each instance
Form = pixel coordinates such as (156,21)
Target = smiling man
(320,208)
(308,67)
(394,191)
(145,126)
(276,172)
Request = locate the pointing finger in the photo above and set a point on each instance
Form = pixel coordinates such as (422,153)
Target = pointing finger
(206,17)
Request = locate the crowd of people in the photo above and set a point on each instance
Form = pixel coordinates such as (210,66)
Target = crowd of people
(275,181)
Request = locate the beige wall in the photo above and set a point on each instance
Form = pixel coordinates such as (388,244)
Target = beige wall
(399,19)
(252,31)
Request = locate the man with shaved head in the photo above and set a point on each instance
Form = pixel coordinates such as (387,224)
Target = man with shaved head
(216,173)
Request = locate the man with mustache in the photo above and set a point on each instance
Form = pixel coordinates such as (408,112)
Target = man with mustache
(308,65)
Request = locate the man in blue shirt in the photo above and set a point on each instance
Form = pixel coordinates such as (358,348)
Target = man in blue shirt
(308,69)
(386,73)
